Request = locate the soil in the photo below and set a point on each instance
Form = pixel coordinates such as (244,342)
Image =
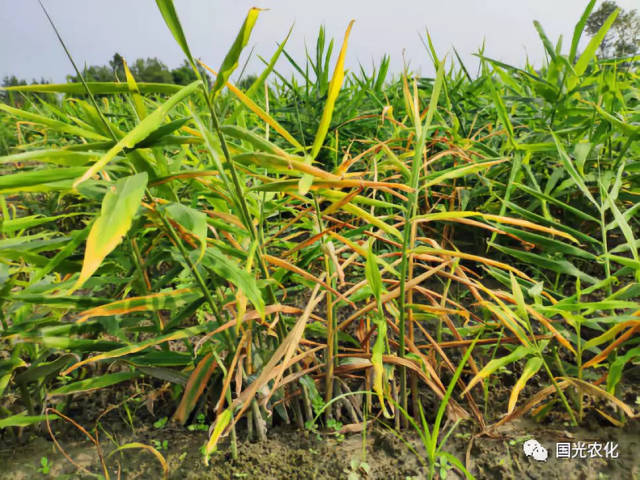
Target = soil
(291,454)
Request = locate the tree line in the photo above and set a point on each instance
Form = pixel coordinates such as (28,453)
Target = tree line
(622,40)
(143,70)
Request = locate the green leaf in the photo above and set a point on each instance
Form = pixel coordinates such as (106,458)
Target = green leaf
(30,221)
(579,28)
(77,237)
(457,172)
(68,158)
(550,243)
(227,269)
(39,371)
(374,280)
(272,62)
(193,221)
(590,51)
(97,88)
(94,383)
(373,220)
(521,307)
(168,11)
(38,180)
(230,62)
(458,464)
(548,46)
(4,381)
(556,265)
(8,366)
(571,169)
(138,347)
(161,133)
(22,420)
(67,343)
(575,211)
(53,124)
(491,367)
(319,329)
(161,358)
(372,273)
(447,396)
(624,226)
(632,131)
(503,116)
(617,366)
(140,131)
(260,143)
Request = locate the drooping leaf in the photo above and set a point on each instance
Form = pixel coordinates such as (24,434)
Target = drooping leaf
(152,302)
(138,347)
(119,206)
(530,369)
(195,386)
(491,367)
(218,427)
(149,448)
(264,116)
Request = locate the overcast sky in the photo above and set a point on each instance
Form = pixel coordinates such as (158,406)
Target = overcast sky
(94,30)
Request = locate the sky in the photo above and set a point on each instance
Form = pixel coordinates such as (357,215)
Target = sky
(93,30)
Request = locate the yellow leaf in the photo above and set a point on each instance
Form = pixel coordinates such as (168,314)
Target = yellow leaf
(253,106)
(530,369)
(221,423)
(334,89)
(118,209)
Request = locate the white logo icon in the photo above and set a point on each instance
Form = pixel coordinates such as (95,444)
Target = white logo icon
(532,448)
